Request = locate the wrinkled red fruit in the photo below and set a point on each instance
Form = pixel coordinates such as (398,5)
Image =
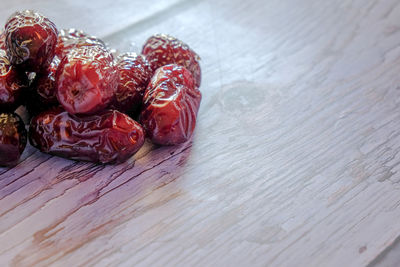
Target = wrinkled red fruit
(42,92)
(163,49)
(69,39)
(106,137)
(3,41)
(12,138)
(134,75)
(86,80)
(12,84)
(31,40)
(170,106)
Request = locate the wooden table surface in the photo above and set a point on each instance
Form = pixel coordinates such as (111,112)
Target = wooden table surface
(294,161)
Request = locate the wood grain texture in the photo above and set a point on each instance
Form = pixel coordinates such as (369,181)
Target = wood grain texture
(295,156)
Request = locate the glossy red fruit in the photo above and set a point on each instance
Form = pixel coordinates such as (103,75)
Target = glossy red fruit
(170,106)
(12,84)
(42,92)
(3,41)
(69,39)
(134,75)
(86,80)
(163,49)
(109,136)
(31,40)
(12,138)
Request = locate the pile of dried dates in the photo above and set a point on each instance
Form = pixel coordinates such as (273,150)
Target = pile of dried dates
(84,102)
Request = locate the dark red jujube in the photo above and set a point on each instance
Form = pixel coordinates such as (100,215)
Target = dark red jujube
(42,92)
(3,41)
(78,93)
(31,40)
(170,106)
(12,84)
(86,80)
(134,75)
(163,49)
(69,39)
(12,138)
(109,136)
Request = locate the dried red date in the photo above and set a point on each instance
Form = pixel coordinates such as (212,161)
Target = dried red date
(12,138)
(163,49)
(69,39)
(106,137)
(12,84)
(86,80)
(81,98)
(31,40)
(3,41)
(42,93)
(170,106)
(134,75)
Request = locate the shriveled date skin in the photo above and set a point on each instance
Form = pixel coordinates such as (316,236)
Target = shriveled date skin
(41,95)
(31,40)
(134,75)
(12,84)
(12,138)
(86,80)
(170,107)
(3,41)
(109,136)
(70,39)
(163,49)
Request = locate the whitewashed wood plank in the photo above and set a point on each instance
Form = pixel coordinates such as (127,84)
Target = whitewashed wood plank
(294,161)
